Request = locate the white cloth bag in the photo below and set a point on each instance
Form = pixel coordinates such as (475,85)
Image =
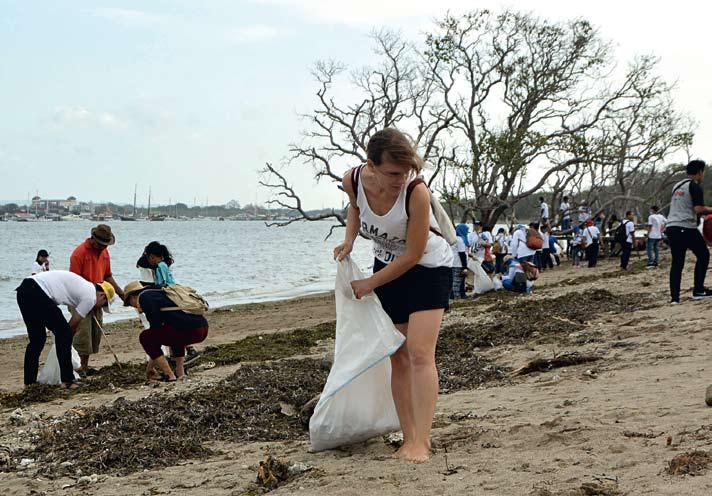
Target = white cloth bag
(357,403)
(50,373)
(481,281)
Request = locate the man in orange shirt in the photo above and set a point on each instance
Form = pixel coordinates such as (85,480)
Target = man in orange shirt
(91,261)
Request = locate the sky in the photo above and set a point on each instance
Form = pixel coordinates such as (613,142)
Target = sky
(192,97)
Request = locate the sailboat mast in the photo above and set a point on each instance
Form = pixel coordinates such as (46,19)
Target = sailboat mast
(134,210)
(149,203)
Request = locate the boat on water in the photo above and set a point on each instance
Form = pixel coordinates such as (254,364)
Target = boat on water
(157,218)
(70,218)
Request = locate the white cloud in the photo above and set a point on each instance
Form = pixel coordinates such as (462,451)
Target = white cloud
(130,18)
(67,116)
(253,34)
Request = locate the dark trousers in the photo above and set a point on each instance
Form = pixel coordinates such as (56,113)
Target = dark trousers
(39,313)
(546,259)
(625,254)
(680,239)
(178,339)
(592,254)
(499,263)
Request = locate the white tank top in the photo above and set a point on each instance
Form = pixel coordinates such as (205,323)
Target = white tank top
(388,231)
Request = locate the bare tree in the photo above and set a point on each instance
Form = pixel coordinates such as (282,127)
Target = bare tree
(395,93)
(501,106)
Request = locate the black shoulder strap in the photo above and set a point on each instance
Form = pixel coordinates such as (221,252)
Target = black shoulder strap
(409,190)
(418,180)
(680,185)
(355,176)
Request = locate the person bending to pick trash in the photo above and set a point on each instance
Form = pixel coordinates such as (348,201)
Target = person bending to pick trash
(411,274)
(169,326)
(38,298)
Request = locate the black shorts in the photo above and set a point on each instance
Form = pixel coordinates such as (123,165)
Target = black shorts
(421,288)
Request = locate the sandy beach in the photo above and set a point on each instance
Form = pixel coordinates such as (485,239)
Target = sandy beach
(612,424)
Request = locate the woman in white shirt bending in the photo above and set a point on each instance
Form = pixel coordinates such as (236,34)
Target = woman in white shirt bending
(412,273)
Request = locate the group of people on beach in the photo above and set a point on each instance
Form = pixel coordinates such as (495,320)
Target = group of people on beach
(415,272)
(87,289)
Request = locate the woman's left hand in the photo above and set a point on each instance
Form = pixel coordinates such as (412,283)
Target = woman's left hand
(362,287)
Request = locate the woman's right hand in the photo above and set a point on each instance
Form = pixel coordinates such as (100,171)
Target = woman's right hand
(342,251)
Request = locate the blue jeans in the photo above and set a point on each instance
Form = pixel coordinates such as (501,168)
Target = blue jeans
(566,224)
(653,245)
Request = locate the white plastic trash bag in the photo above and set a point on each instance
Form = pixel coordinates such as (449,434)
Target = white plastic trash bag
(50,373)
(481,281)
(497,284)
(357,403)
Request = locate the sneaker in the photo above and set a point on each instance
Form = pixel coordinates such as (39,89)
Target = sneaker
(674,302)
(651,266)
(698,295)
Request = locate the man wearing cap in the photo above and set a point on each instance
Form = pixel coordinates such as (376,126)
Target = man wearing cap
(91,261)
(38,298)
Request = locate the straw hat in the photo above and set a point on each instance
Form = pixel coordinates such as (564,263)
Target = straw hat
(130,289)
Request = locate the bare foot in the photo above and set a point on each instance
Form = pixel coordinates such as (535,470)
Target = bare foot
(420,454)
(402,452)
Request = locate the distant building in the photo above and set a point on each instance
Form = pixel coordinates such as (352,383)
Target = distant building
(54,206)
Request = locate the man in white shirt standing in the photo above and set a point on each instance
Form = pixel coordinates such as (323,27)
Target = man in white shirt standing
(656,227)
(565,211)
(543,212)
(591,236)
(629,226)
(39,297)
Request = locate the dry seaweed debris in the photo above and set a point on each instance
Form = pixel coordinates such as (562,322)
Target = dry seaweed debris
(586,489)
(460,363)
(161,430)
(558,361)
(252,349)
(269,346)
(519,321)
(693,463)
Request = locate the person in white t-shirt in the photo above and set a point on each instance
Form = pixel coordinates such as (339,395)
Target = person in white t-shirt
(459,262)
(500,248)
(484,248)
(39,297)
(565,212)
(576,241)
(519,249)
(584,213)
(591,238)
(41,263)
(543,211)
(629,223)
(656,227)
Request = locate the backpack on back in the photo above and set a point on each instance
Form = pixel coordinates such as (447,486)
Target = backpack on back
(535,241)
(621,235)
(186,300)
(497,248)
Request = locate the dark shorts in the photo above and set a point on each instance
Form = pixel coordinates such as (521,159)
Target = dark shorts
(421,288)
